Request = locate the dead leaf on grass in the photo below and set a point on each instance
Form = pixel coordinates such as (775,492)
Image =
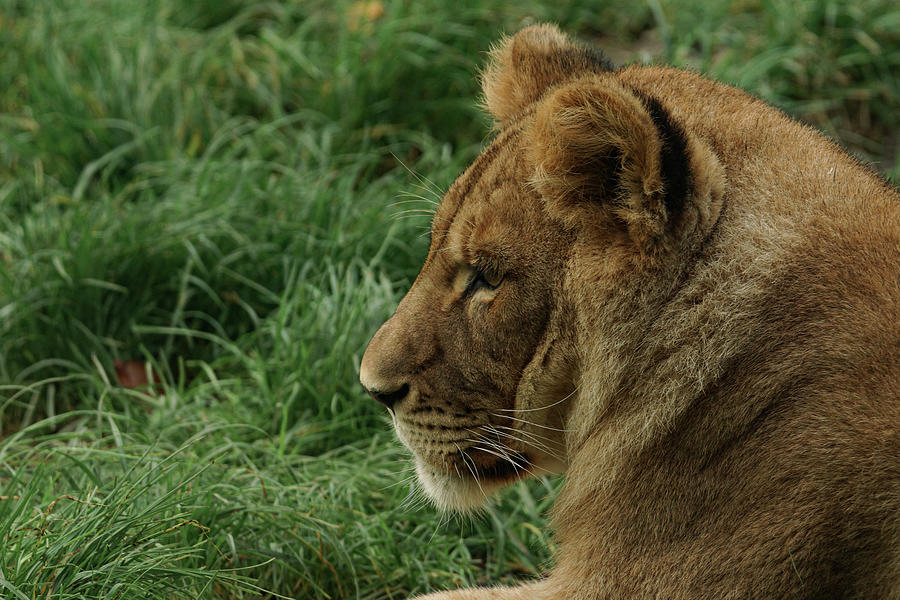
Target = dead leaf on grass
(133,374)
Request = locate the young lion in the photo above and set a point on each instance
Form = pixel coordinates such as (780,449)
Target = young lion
(685,300)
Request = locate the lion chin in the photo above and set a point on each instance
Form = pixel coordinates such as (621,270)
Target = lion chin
(468,488)
(452,493)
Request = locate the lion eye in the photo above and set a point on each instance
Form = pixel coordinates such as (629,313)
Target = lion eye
(484,278)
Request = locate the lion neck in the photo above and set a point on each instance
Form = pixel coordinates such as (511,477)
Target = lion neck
(664,381)
(626,303)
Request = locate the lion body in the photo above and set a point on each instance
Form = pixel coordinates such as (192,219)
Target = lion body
(696,316)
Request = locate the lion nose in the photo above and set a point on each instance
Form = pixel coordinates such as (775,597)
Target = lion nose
(389,398)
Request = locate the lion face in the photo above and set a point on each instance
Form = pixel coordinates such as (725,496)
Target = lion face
(585,186)
(463,363)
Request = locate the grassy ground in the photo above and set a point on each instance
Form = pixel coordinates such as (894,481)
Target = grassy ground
(226,194)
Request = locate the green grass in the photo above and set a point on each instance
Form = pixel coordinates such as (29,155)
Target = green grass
(228,193)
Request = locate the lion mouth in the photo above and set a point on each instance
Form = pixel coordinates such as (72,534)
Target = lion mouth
(498,469)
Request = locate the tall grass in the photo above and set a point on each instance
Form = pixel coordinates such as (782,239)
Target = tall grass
(229,194)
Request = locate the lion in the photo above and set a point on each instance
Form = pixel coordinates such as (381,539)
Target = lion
(687,302)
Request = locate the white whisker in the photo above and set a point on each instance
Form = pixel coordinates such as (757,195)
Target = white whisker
(521,410)
(502,449)
(529,423)
(547,440)
(538,445)
(412,211)
(434,189)
(503,456)
(472,469)
(414,199)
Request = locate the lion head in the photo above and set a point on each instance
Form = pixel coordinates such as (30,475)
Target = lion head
(586,179)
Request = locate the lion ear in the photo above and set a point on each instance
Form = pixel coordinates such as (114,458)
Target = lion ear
(595,141)
(521,68)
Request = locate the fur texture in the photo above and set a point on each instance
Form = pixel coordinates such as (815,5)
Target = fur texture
(683,299)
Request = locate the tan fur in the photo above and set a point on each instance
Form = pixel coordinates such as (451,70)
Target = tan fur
(696,317)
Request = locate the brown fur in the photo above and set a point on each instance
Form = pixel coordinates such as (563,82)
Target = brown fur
(697,318)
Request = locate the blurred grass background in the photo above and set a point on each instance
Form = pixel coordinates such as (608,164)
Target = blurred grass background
(222,196)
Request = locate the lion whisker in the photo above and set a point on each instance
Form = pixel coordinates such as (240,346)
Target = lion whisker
(414,199)
(543,447)
(504,450)
(434,189)
(547,440)
(472,469)
(412,212)
(521,410)
(500,434)
(414,500)
(417,205)
(530,423)
(405,480)
(502,455)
